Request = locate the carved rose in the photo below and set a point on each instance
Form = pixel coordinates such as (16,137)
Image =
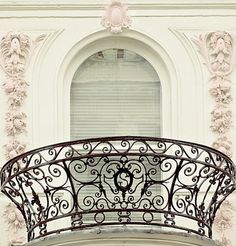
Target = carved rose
(221,95)
(16,88)
(9,85)
(15,221)
(15,122)
(221,120)
(116,17)
(224,145)
(224,221)
(13,218)
(14,148)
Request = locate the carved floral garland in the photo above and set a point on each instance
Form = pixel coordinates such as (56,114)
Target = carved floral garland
(217,50)
(224,222)
(15,50)
(116,17)
(15,222)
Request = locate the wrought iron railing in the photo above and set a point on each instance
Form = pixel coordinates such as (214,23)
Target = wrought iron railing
(119,180)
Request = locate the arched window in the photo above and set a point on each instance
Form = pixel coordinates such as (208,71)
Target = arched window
(115,92)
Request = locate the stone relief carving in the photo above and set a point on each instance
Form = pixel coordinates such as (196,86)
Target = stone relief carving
(15,51)
(221,119)
(217,50)
(116,17)
(15,222)
(15,122)
(14,148)
(15,48)
(15,88)
(223,222)
(13,218)
(223,144)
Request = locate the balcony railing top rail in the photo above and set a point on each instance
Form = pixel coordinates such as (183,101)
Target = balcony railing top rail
(139,181)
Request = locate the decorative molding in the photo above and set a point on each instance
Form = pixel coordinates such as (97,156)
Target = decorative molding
(15,222)
(15,122)
(217,50)
(13,218)
(15,48)
(62,5)
(224,222)
(15,51)
(116,17)
(14,148)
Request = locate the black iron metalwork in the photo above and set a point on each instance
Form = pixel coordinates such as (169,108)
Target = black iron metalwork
(119,180)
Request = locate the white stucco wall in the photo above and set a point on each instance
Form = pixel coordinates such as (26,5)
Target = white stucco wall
(161,32)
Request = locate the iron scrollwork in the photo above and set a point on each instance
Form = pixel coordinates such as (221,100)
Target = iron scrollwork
(119,180)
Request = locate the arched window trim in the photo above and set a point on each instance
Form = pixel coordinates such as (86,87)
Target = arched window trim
(134,41)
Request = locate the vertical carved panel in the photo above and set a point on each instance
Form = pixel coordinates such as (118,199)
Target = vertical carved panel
(116,17)
(15,51)
(217,49)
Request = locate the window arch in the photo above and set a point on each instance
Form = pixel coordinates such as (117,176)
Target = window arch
(134,41)
(115,92)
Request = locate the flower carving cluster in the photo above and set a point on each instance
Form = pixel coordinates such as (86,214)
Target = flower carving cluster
(221,120)
(116,17)
(15,49)
(13,218)
(223,222)
(217,50)
(15,221)
(14,148)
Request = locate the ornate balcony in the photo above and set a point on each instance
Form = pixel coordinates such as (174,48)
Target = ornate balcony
(132,181)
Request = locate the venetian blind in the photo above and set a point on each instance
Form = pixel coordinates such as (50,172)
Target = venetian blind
(114,94)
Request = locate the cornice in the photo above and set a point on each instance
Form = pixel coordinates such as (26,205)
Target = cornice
(6,5)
